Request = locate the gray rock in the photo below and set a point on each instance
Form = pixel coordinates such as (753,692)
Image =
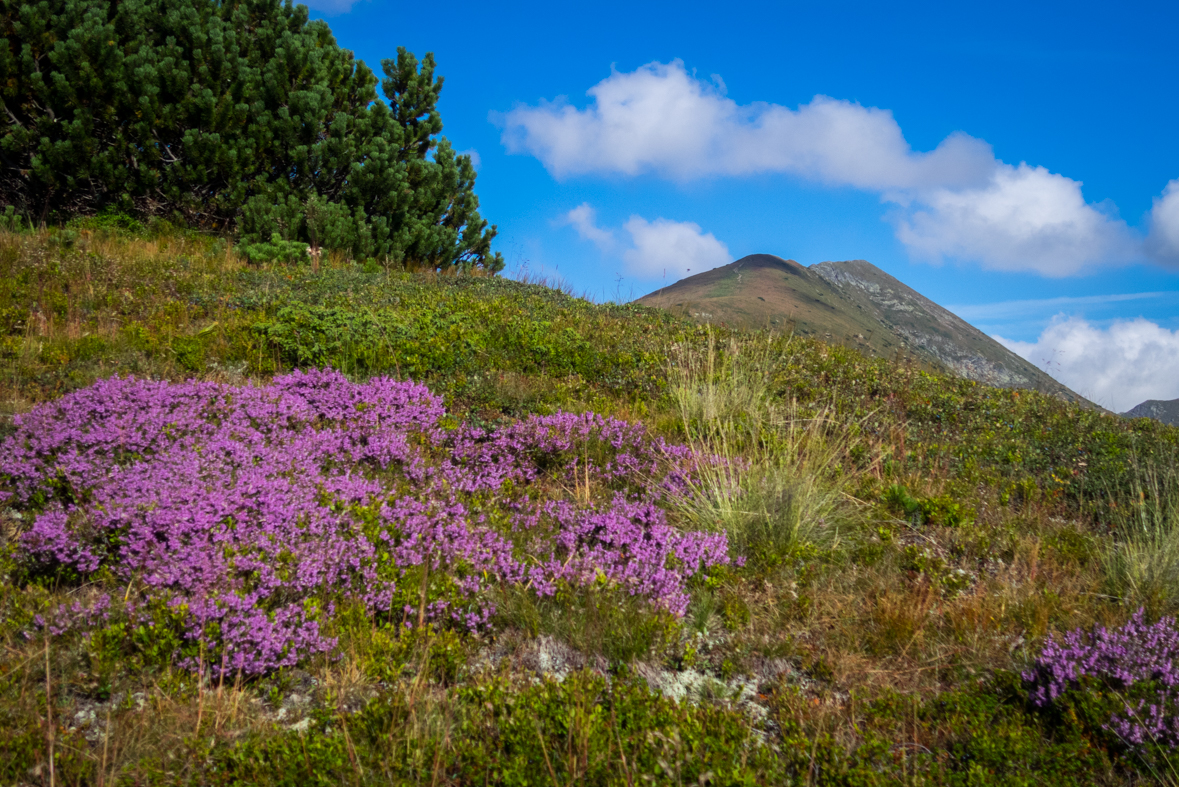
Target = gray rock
(1165,411)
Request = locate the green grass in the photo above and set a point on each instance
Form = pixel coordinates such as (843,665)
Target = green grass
(1143,566)
(790,493)
(909,540)
(75,306)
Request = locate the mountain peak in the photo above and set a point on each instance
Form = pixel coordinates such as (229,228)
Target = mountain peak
(849,302)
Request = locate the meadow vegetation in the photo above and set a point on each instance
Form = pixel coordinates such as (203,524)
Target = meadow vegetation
(588,542)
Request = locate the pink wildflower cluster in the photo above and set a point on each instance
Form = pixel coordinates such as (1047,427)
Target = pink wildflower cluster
(249,512)
(1132,654)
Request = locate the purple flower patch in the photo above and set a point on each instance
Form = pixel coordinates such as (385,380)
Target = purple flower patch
(250,512)
(1120,658)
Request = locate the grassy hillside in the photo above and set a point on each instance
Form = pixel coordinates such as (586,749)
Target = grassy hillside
(80,304)
(600,544)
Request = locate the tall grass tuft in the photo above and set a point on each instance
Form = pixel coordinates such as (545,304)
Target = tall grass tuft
(1143,564)
(778,486)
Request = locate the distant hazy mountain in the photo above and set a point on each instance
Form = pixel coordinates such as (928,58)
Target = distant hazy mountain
(852,303)
(1167,412)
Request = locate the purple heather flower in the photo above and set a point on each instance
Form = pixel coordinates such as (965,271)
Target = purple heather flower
(1119,658)
(249,511)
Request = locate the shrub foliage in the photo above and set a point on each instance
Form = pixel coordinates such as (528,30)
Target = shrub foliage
(235,114)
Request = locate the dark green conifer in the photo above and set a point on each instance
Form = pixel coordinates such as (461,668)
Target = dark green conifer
(235,115)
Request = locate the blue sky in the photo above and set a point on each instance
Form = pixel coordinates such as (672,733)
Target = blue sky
(1009,160)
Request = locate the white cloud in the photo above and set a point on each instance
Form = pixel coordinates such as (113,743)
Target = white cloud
(1117,367)
(583,218)
(1163,241)
(658,249)
(1025,218)
(662,119)
(672,248)
(956,201)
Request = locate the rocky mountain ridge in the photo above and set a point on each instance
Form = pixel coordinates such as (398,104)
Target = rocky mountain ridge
(853,303)
(1166,411)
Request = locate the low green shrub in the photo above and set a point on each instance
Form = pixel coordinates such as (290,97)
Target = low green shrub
(275,250)
(598,622)
(585,730)
(941,510)
(11,220)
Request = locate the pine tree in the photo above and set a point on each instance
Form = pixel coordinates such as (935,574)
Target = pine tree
(236,115)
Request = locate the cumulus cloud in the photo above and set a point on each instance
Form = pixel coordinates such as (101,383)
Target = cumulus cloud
(672,248)
(1025,218)
(661,248)
(1117,367)
(955,201)
(584,219)
(1163,241)
(662,119)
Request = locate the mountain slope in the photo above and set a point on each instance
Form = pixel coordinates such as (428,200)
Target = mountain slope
(852,303)
(1165,411)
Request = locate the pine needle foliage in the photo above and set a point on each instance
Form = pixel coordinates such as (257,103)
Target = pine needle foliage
(231,115)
